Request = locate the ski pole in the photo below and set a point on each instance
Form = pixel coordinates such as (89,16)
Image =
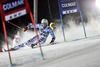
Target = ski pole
(15,25)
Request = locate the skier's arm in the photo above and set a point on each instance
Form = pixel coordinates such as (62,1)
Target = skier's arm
(30,26)
(52,35)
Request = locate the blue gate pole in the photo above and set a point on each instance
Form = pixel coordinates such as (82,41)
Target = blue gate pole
(81,18)
(61,20)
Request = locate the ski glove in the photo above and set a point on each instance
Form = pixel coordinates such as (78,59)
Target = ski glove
(25,28)
(52,41)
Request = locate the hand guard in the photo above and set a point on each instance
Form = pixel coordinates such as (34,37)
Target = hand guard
(52,41)
(25,28)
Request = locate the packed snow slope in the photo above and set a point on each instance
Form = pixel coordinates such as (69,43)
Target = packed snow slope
(78,53)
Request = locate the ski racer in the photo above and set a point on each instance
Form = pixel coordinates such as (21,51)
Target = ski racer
(44,31)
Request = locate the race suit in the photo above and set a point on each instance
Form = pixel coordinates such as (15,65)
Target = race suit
(43,34)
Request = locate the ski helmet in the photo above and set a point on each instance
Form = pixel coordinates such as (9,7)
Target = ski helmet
(44,21)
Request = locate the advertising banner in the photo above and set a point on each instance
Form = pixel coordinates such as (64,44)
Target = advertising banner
(13,9)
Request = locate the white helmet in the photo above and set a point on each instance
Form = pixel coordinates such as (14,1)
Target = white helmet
(44,21)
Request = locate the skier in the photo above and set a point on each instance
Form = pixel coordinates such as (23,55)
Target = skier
(44,31)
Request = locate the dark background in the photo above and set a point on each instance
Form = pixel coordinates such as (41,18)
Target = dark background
(43,12)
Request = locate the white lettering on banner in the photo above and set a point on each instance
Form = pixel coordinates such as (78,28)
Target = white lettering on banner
(12,5)
(69,4)
(69,11)
(15,15)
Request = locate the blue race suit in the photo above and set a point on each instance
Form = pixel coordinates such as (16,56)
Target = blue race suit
(43,34)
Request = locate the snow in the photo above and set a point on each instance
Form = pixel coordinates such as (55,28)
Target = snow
(79,53)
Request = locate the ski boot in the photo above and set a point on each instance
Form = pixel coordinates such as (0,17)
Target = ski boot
(32,45)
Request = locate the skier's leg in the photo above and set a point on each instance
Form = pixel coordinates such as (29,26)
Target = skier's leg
(29,42)
(18,46)
(42,41)
(33,41)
